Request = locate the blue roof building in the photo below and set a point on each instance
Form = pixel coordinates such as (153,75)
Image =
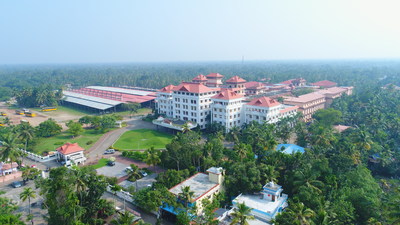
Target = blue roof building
(289,148)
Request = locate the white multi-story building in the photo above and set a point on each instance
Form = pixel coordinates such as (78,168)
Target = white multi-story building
(196,102)
(165,101)
(267,109)
(227,109)
(191,102)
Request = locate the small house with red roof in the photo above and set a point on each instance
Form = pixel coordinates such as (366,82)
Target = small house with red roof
(324,84)
(8,168)
(267,109)
(70,154)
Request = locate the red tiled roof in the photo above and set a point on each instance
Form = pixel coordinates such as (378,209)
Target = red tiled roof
(192,87)
(69,148)
(200,77)
(305,98)
(235,79)
(290,108)
(254,85)
(167,89)
(264,102)
(228,95)
(287,82)
(214,75)
(324,83)
(7,166)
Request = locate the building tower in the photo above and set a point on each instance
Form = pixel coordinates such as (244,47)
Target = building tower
(237,84)
(201,79)
(214,80)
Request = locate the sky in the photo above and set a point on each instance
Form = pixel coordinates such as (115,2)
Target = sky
(96,31)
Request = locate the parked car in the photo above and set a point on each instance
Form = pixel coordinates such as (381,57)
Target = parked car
(16,184)
(128,169)
(111,163)
(109,151)
(143,173)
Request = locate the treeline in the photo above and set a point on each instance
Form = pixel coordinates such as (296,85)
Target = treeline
(162,74)
(44,95)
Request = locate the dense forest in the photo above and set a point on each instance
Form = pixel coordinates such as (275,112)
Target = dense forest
(162,74)
(350,177)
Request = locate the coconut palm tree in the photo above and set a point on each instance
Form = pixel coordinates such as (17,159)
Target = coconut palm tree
(241,215)
(124,219)
(152,156)
(28,193)
(301,214)
(10,150)
(186,195)
(115,188)
(133,173)
(241,150)
(307,179)
(185,127)
(25,132)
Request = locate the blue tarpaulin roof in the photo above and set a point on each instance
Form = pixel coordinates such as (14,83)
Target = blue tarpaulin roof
(290,148)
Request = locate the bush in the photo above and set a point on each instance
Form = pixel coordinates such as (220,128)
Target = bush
(134,155)
(89,142)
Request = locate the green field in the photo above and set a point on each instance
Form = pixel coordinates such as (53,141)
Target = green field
(142,139)
(102,162)
(49,144)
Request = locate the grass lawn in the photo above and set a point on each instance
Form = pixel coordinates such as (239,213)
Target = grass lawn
(101,163)
(142,139)
(65,110)
(51,143)
(142,111)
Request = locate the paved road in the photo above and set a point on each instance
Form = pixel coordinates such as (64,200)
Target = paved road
(149,218)
(13,194)
(97,150)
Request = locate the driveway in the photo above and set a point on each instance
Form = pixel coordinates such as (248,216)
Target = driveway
(141,183)
(13,194)
(96,151)
(113,171)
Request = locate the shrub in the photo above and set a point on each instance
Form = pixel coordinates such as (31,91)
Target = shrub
(89,142)
(59,143)
(134,155)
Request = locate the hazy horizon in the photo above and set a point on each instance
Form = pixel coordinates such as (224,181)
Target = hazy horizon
(103,32)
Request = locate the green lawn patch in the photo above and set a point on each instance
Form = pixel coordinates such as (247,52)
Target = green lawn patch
(142,139)
(101,163)
(142,111)
(51,143)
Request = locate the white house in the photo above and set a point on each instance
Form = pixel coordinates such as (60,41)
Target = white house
(266,205)
(6,168)
(69,154)
(227,109)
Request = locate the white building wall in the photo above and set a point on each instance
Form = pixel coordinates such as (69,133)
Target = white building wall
(165,104)
(228,112)
(192,106)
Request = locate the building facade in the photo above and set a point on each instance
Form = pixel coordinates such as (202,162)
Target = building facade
(307,104)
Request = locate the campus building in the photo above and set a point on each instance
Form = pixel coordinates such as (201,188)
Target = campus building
(203,186)
(206,99)
(307,104)
(265,205)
